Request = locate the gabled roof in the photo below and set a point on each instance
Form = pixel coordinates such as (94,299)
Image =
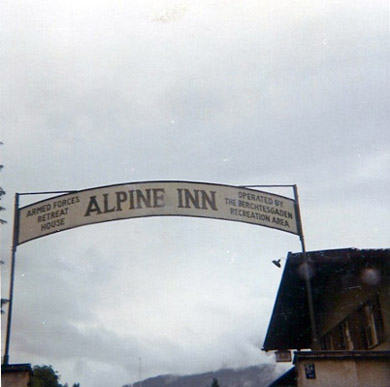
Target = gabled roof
(289,327)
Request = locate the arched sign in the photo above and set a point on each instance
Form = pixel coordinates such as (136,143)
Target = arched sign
(155,198)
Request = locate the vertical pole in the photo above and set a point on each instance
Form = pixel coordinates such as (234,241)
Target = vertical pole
(12,278)
(309,291)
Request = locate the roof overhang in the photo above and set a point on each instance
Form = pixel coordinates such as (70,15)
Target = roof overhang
(289,327)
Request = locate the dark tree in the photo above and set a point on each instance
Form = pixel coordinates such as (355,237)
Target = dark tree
(215,383)
(3,300)
(46,376)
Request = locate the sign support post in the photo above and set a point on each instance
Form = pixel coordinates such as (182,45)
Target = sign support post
(306,271)
(306,268)
(12,279)
(15,242)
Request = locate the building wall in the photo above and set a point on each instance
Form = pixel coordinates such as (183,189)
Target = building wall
(373,373)
(345,373)
(15,379)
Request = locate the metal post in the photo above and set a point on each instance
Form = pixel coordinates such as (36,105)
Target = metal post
(309,292)
(13,256)
(12,278)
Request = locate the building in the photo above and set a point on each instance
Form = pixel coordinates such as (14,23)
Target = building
(16,375)
(351,301)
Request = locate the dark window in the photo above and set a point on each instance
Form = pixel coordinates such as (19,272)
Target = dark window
(338,338)
(363,329)
(327,343)
(373,323)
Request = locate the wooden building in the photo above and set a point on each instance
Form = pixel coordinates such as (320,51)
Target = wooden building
(351,299)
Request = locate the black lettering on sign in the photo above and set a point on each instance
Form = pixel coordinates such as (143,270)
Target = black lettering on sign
(39,210)
(106,209)
(66,202)
(93,206)
(141,198)
(121,197)
(52,215)
(280,221)
(197,199)
(148,198)
(158,197)
(52,224)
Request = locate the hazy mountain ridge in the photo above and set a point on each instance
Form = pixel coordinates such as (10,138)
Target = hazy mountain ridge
(254,376)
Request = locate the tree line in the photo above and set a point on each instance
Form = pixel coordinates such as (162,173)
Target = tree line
(46,376)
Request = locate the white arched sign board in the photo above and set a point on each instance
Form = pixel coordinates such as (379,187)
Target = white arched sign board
(155,198)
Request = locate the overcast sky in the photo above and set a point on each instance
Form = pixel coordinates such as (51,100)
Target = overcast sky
(255,92)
